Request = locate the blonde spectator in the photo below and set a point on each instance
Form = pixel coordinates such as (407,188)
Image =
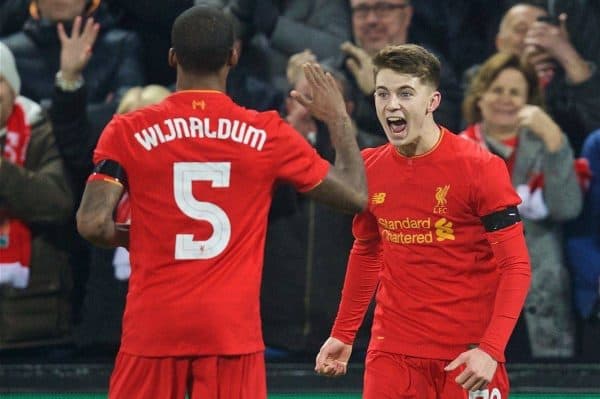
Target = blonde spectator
(139,96)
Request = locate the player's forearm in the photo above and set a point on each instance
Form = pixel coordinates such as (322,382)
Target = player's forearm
(102,232)
(511,253)
(348,161)
(360,283)
(95,216)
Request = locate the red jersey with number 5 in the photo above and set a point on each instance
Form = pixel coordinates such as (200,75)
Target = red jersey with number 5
(201,172)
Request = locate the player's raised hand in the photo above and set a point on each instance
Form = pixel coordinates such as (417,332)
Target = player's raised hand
(332,359)
(478,372)
(325,100)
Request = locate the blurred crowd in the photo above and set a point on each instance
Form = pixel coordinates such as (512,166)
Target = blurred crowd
(520,78)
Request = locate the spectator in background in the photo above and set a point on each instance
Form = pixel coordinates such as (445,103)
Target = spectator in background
(273,30)
(570,80)
(503,108)
(583,251)
(113,67)
(376,24)
(306,250)
(36,203)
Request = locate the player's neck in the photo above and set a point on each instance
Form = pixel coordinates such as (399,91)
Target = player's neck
(424,142)
(213,81)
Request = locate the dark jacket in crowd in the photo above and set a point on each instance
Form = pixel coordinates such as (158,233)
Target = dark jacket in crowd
(576,108)
(274,30)
(13,14)
(306,253)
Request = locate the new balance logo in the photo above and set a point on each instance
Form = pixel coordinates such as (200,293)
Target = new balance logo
(378,198)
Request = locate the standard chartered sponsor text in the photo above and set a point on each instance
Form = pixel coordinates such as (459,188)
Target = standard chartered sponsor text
(401,237)
(199,128)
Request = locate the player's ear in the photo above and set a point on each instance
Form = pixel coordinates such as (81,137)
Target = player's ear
(172,58)
(234,54)
(434,102)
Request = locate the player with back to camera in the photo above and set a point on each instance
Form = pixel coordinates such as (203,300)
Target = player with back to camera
(200,172)
(442,245)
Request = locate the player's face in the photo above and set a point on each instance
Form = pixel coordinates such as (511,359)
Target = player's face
(377,23)
(512,32)
(403,105)
(502,101)
(60,10)
(7,100)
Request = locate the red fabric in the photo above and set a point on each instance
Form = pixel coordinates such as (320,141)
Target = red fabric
(438,276)
(178,306)
(510,251)
(15,236)
(223,377)
(392,376)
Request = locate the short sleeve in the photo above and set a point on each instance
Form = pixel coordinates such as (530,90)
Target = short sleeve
(297,162)
(111,144)
(493,190)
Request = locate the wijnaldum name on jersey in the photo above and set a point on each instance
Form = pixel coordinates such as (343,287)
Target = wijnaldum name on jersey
(196,128)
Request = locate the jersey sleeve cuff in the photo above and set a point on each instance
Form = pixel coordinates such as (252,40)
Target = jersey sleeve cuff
(496,355)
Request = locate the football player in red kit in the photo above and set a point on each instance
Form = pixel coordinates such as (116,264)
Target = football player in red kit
(442,245)
(200,171)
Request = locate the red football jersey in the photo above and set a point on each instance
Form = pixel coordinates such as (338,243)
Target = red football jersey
(436,270)
(201,172)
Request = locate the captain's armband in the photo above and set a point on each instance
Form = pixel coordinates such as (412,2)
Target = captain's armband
(501,219)
(109,170)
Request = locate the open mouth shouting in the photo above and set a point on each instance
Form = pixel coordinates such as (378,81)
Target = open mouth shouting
(397,126)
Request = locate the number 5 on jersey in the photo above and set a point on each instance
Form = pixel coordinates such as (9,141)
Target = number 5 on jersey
(184,174)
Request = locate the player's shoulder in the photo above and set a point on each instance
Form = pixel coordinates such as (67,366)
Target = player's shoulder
(468,149)
(373,155)
(265,118)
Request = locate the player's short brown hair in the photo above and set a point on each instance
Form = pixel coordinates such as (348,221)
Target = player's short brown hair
(410,59)
(486,75)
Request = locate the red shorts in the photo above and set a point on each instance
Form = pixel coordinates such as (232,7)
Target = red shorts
(394,376)
(224,377)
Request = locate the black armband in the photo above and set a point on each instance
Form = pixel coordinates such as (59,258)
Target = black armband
(113,169)
(501,219)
